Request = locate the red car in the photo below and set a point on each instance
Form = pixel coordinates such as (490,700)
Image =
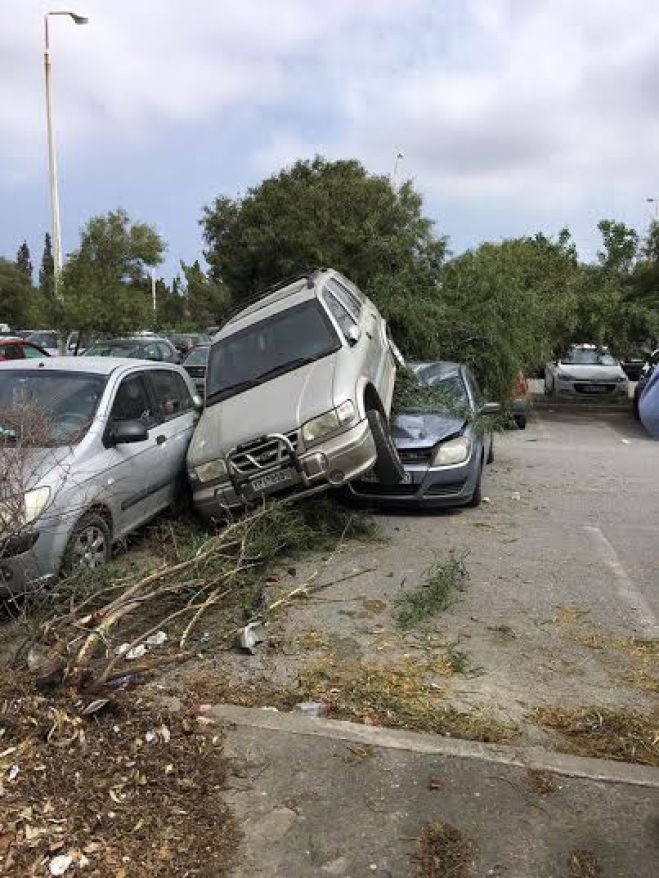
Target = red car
(19,349)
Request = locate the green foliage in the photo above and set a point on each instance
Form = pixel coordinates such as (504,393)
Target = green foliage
(24,262)
(206,300)
(437,592)
(317,213)
(105,284)
(15,295)
(47,269)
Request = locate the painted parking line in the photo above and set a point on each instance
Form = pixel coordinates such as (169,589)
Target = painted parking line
(628,591)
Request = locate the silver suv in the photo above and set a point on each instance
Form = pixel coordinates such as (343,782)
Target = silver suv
(298,393)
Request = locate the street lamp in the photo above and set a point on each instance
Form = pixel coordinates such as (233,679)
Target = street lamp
(52,157)
(394,174)
(654,201)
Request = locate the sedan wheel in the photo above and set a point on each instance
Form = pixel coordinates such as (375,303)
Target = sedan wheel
(89,544)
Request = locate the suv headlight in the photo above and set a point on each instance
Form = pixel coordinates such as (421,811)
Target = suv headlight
(214,469)
(318,427)
(14,515)
(452,452)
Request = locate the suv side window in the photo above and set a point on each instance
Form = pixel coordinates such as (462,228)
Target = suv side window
(166,353)
(171,392)
(152,352)
(132,401)
(347,298)
(339,312)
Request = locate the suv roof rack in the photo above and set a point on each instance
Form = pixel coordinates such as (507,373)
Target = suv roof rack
(264,293)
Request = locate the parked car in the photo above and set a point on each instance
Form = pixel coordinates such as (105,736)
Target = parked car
(195,365)
(185,341)
(46,339)
(633,365)
(298,392)
(649,367)
(140,348)
(586,370)
(444,452)
(20,349)
(110,456)
(648,404)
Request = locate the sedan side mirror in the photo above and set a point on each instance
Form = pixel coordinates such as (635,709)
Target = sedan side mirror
(490,408)
(198,402)
(353,335)
(123,432)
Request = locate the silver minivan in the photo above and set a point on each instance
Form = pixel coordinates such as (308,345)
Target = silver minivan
(298,394)
(90,448)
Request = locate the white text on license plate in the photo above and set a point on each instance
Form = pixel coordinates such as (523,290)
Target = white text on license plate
(267,481)
(595,388)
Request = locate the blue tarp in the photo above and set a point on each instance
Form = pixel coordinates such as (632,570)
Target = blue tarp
(648,406)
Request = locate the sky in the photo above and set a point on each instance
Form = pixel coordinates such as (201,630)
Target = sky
(513,116)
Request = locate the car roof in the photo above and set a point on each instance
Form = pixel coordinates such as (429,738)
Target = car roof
(89,365)
(444,368)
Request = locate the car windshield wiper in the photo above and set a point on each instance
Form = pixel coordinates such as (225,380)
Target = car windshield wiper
(285,367)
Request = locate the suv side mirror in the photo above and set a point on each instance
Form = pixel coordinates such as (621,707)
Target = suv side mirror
(353,335)
(123,432)
(490,408)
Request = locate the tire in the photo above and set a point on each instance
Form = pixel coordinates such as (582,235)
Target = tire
(388,467)
(89,544)
(477,496)
(490,453)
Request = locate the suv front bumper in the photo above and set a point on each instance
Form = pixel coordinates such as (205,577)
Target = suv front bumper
(329,463)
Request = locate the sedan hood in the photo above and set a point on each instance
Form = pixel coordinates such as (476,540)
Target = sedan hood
(422,429)
(277,406)
(24,469)
(591,373)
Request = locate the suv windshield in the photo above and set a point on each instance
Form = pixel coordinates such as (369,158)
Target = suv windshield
(588,357)
(47,408)
(268,349)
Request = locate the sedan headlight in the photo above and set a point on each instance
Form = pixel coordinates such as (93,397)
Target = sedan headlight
(214,469)
(452,452)
(564,376)
(14,514)
(318,427)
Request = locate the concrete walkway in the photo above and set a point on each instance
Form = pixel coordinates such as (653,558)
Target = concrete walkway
(320,797)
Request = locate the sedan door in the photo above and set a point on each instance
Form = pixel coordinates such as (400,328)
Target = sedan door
(177,416)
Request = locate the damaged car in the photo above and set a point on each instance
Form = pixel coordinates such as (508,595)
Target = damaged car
(299,387)
(443,448)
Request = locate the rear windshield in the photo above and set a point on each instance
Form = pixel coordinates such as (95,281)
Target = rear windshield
(269,348)
(47,408)
(111,349)
(588,357)
(196,357)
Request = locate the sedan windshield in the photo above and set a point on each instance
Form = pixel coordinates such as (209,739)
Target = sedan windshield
(47,408)
(451,387)
(588,357)
(114,349)
(44,339)
(268,349)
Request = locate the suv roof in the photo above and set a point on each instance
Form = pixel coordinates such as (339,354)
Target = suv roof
(90,365)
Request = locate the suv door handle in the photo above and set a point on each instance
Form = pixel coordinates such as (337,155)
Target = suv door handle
(160,440)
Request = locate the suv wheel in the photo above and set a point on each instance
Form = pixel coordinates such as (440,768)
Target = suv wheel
(89,544)
(388,467)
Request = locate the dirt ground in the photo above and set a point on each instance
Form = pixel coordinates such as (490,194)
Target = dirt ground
(559,609)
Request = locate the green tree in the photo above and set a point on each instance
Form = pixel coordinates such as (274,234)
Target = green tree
(318,213)
(106,285)
(14,295)
(206,300)
(24,263)
(620,246)
(47,269)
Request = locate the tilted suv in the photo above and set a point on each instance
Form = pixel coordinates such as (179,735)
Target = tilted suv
(298,393)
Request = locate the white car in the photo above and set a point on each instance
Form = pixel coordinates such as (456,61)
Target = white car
(586,370)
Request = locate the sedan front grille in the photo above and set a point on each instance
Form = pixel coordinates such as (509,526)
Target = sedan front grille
(262,453)
(415,455)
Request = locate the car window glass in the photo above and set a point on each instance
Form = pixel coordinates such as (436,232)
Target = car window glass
(345,296)
(478,396)
(32,353)
(132,402)
(196,357)
(339,312)
(165,350)
(151,352)
(11,352)
(171,392)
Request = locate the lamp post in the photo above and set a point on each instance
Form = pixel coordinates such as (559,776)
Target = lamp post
(395,185)
(654,201)
(52,153)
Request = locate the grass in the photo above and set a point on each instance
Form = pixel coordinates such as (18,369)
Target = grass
(438,590)
(582,864)
(443,851)
(626,736)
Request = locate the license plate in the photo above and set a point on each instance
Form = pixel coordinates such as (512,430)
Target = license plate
(281,475)
(371,477)
(594,388)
